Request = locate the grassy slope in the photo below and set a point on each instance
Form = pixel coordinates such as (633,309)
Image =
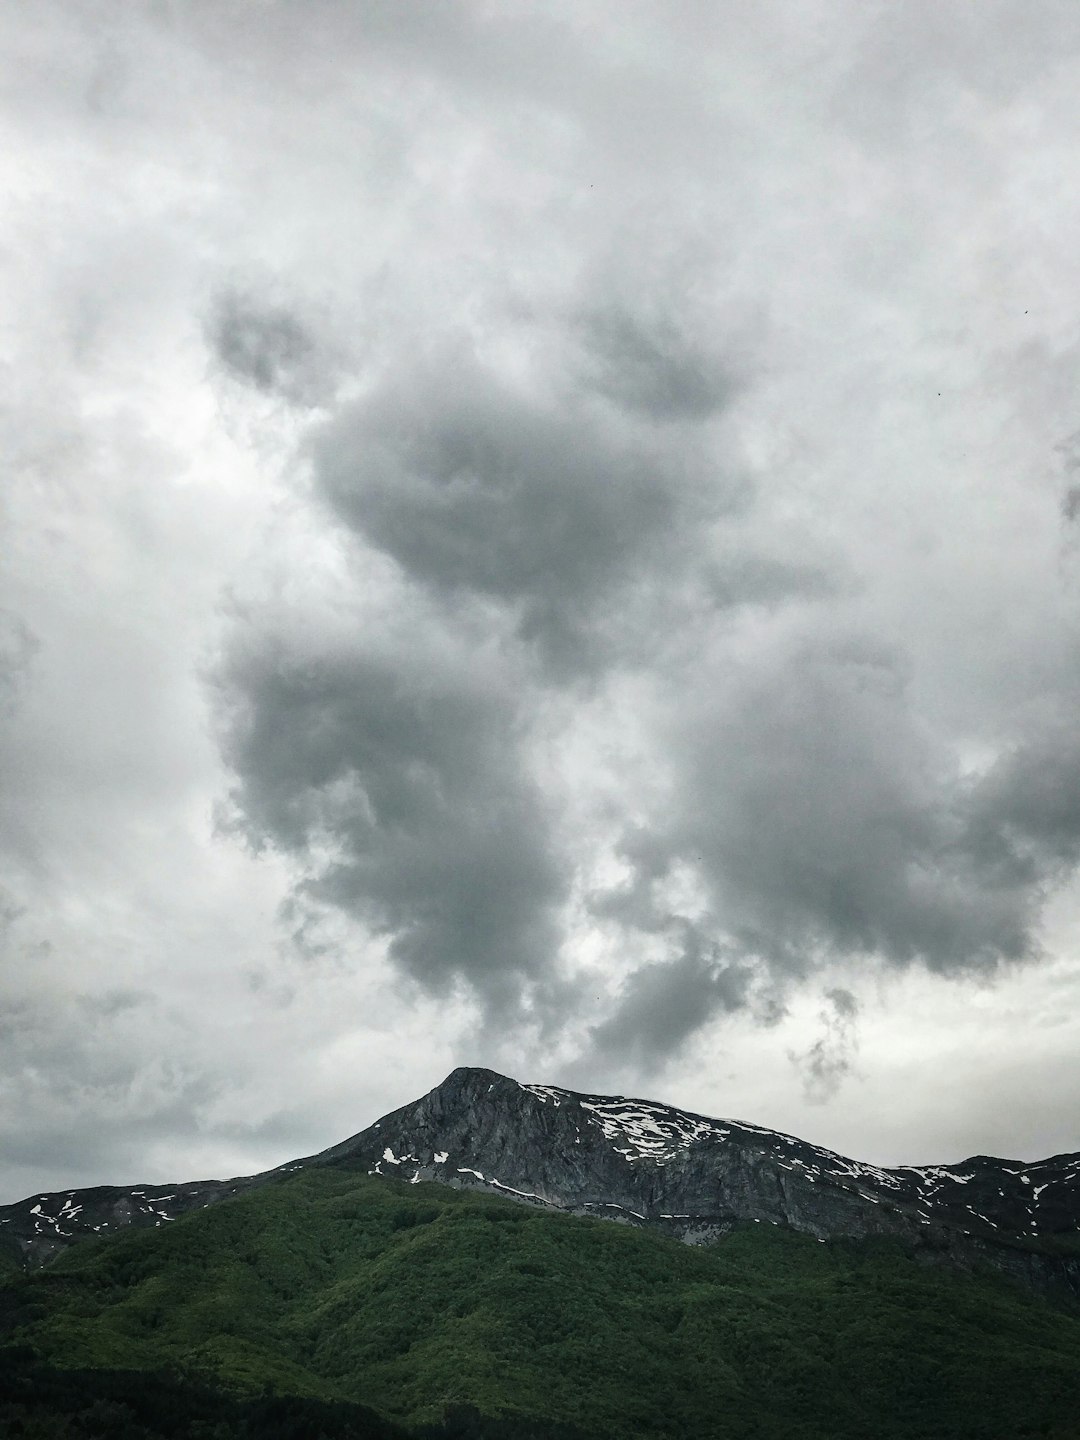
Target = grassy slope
(413,1298)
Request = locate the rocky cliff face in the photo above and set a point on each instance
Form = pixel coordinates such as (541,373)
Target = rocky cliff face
(695,1177)
(647,1164)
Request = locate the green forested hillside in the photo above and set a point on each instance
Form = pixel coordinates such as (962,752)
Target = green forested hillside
(414,1300)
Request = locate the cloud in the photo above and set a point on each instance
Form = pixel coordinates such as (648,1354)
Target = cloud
(18,646)
(397,771)
(651,364)
(534,500)
(1069,453)
(95,1091)
(813,805)
(663,1002)
(538,539)
(817,817)
(277,348)
(829,1060)
(629,441)
(1023,821)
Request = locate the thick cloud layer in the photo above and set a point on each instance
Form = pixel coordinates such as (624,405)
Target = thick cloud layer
(813,812)
(578,495)
(543,536)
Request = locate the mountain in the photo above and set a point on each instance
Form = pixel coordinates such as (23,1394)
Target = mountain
(451,1273)
(493,1320)
(645,1164)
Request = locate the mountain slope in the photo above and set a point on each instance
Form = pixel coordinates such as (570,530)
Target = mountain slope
(644,1163)
(413,1298)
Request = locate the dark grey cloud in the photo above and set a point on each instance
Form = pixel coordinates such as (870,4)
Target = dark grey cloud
(406,769)
(652,365)
(535,501)
(750,576)
(664,1002)
(18,646)
(268,345)
(1023,818)
(1069,453)
(9,913)
(113,1002)
(829,1060)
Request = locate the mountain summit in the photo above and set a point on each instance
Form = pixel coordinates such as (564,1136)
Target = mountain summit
(643,1163)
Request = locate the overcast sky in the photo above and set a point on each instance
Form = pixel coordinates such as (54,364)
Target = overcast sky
(537,535)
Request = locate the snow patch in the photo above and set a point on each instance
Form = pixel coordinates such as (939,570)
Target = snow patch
(649,1132)
(935,1174)
(546,1094)
(526,1194)
(980,1216)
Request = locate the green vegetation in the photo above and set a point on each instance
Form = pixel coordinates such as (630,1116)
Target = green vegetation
(418,1300)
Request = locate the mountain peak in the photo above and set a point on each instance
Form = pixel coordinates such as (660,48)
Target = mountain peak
(644,1162)
(471,1077)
